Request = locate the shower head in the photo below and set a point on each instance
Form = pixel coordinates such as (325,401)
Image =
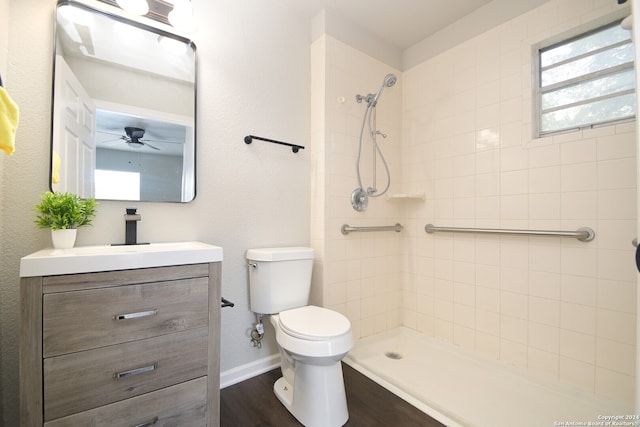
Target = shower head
(389,80)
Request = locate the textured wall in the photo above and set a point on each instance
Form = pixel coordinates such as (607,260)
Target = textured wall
(253,79)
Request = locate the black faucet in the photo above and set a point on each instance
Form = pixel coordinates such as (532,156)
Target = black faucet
(131,219)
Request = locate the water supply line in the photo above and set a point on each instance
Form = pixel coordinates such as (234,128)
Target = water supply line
(360,196)
(257,333)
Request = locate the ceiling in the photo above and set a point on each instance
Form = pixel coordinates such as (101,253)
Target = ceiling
(402,23)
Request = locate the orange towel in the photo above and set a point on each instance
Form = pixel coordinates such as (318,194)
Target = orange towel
(9,115)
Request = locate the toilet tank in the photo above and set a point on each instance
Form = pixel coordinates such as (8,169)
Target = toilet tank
(279,278)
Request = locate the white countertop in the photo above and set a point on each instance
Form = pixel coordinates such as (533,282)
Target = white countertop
(88,259)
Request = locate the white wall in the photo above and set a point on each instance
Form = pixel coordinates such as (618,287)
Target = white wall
(253,79)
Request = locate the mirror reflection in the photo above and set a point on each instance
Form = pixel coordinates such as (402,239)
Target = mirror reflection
(123,109)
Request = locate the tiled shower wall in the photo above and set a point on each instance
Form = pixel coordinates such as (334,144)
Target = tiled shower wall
(459,129)
(556,306)
(358,274)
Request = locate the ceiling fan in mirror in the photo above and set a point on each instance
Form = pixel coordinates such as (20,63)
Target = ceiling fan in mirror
(118,131)
(133,137)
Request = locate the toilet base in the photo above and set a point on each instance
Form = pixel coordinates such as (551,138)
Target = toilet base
(317,399)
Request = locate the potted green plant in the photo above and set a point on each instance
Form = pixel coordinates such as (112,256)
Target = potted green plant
(63,213)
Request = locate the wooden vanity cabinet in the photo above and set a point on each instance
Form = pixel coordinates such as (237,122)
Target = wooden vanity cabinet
(133,347)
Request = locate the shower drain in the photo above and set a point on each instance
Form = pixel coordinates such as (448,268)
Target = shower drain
(393,355)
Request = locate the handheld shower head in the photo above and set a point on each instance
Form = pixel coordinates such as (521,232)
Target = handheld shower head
(389,80)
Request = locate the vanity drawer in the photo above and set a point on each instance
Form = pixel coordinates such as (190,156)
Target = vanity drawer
(181,405)
(89,379)
(81,320)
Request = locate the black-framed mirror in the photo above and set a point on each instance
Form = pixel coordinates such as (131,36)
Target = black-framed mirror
(123,110)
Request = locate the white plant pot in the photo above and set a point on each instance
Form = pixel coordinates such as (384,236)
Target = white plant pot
(64,239)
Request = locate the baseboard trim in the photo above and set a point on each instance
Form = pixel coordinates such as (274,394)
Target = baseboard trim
(244,372)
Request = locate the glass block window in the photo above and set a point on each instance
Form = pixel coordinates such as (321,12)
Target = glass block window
(586,81)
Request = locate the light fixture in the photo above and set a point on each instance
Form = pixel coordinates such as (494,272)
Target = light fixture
(181,17)
(137,7)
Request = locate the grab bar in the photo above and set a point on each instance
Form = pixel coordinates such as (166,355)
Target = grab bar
(346,229)
(584,234)
(294,147)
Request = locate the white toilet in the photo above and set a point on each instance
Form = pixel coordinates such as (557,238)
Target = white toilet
(312,340)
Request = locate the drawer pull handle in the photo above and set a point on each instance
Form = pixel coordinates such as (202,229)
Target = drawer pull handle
(135,315)
(148,423)
(136,371)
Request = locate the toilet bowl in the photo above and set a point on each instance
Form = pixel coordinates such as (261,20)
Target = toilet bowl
(313,340)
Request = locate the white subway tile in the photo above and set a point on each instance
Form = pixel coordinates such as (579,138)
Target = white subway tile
(544,337)
(464,315)
(578,177)
(514,329)
(488,184)
(514,182)
(544,206)
(578,318)
(579,290)
(617,204)
(616,174)
(580,205)
(616,146)
(616,265)
(544,180)
(578,346)
(616,356)
(514,158)
(514,305)
(514,207)
(544,155)
(578,151)
(617,296)
(544,284)
(544,311)
(617,326)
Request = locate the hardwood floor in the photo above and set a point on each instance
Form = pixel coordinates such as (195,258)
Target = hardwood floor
(252,403)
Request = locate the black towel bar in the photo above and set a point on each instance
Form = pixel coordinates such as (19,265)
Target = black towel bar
(249,139)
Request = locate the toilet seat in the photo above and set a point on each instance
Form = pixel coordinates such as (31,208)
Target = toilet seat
(314,323)
(314,332)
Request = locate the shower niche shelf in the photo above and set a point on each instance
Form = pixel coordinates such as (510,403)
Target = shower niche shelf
(406,196)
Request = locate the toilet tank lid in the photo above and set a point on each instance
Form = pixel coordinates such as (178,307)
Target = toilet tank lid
(280,254)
